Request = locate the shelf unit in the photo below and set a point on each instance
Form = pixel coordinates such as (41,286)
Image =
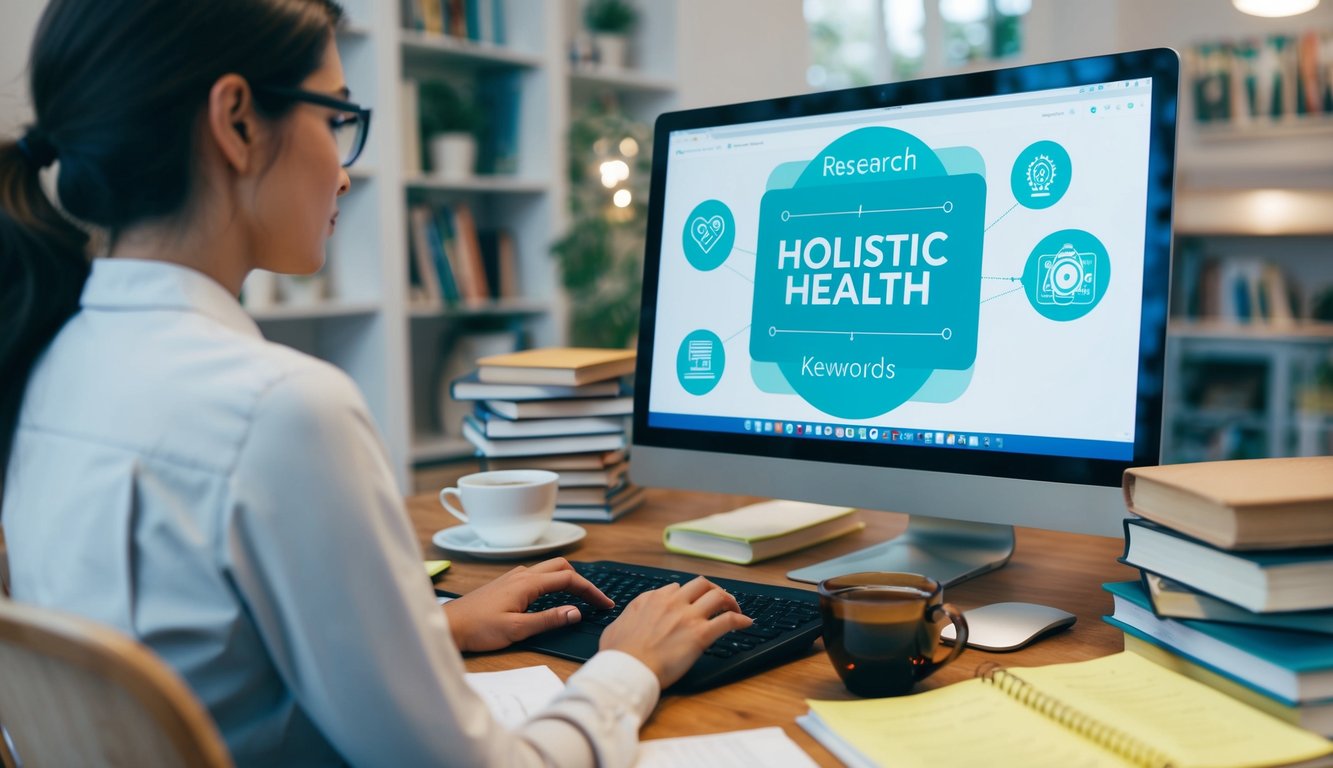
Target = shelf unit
(1250,389)
(396,353)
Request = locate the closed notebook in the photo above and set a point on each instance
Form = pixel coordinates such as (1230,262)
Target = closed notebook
(568,366)
(1291,666)
(1117,710)
(1248,504)
(1291,580)
(760,531)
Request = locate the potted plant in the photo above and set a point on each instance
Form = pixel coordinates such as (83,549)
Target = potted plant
(449,127)
(610,22)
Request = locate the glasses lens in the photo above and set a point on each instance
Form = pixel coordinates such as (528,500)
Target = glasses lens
(348,134)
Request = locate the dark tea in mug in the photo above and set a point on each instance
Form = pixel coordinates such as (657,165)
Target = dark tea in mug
(882,630)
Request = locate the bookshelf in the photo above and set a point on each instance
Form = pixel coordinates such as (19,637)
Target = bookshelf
(1255,386)
(397,351)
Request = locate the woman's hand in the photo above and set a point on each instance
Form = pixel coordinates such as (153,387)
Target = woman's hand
(668,628)
(492,617)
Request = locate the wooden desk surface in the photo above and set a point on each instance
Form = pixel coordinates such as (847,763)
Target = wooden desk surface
(1058,569)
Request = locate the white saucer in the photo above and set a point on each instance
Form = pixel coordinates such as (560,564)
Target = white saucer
(461,538)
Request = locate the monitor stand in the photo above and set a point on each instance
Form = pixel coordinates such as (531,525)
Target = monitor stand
(949,551)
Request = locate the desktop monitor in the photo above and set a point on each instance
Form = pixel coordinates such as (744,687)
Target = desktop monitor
(942,297)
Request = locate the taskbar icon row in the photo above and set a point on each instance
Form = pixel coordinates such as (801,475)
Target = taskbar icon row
(872,434)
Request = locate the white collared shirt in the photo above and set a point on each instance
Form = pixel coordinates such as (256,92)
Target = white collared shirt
(228,502)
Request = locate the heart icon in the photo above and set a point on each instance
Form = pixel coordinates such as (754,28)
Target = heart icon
(706,232)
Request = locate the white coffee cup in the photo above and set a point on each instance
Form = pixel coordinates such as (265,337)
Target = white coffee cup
(505,508)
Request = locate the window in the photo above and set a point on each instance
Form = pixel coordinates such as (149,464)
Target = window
(858,42)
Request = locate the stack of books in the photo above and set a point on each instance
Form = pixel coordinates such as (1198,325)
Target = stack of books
(1236,587)
(561,409)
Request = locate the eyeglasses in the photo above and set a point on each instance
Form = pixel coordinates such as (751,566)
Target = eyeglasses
(349,128)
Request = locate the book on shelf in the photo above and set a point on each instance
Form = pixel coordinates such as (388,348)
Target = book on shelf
(499,261)
(570,366)
(1264,581)
(534,446)
(499,96)
(591,461)
(423,261)
(409,120)
(461,241)
(1291,666)
(563,409)
(627,498)
(491,425)
(760,531)
(1241,504)
(469,387)
(480,21)
(1173,600)
(1315,716)
(1120,709)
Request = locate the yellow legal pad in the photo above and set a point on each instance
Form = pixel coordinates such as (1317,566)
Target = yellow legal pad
(1119,710)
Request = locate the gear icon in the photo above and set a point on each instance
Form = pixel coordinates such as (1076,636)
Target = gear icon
(1040,175)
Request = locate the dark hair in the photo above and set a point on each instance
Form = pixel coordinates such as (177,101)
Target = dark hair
(117,86)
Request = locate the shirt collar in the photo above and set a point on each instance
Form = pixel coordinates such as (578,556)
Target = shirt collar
(140,284)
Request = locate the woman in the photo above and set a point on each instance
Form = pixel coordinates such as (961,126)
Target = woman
(226,500)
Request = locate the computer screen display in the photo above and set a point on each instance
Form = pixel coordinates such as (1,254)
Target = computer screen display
(964,275)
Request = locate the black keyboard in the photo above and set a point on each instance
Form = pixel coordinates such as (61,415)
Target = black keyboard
(786,622)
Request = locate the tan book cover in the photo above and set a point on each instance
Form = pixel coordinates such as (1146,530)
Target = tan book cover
(556,365)
(1244,504)
(760,531)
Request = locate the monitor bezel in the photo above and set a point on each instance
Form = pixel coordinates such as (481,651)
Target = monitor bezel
(1162,65)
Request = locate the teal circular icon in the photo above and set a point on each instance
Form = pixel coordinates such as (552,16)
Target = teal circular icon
(700,361)
(1041,175)
(710,231)
(1066,275)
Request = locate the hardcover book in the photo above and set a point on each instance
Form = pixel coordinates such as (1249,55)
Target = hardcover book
(1173,600)
(628,497)
(562,409)
(536,446)
(1316,716)
(1291,580)
(469,387)
(570,366)
(1291,666)
(1247,504)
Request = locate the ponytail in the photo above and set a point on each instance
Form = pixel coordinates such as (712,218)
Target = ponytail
(43,266)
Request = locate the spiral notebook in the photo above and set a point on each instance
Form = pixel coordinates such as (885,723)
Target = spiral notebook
(1119,710)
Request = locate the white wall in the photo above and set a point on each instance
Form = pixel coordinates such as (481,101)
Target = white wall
(18,21)
(740,50)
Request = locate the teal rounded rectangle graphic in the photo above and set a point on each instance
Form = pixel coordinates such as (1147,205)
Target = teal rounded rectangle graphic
(886,268)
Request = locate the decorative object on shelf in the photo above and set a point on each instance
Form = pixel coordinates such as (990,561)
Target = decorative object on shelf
(303,290)
(450,123)
(601,257)
(260,290)
(610,22)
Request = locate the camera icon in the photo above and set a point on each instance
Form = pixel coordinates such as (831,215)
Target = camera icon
(1067,277)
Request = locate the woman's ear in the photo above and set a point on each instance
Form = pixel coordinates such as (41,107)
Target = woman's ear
(232,123)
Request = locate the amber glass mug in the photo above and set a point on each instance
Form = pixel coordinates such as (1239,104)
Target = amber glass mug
(882,630)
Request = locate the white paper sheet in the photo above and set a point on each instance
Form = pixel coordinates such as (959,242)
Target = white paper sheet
(759,746)
(513,695)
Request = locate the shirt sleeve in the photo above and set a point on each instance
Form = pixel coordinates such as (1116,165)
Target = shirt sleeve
(319,546)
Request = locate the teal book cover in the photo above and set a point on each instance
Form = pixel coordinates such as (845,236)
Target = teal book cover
(1297,651)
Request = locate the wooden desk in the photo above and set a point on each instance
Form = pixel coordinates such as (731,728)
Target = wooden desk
(1062,570)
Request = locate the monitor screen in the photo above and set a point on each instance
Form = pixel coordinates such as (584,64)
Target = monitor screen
(963,276)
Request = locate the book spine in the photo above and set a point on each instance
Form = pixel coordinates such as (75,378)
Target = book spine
(1123,744)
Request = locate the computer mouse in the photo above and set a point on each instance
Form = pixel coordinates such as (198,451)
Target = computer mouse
(1009,626)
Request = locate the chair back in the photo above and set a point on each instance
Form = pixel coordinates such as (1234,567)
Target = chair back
(74,692)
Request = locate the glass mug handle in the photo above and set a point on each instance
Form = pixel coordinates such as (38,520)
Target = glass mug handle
(960,638)
(458,513)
